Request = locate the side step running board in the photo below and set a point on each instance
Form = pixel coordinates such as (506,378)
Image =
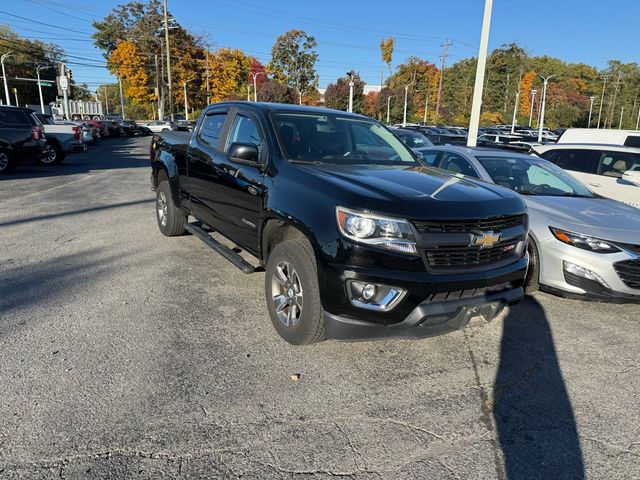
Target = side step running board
(226,252)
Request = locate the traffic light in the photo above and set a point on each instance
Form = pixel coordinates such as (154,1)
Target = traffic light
(69,74)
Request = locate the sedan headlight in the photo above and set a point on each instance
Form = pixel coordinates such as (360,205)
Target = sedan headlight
(584,242)
(390,233)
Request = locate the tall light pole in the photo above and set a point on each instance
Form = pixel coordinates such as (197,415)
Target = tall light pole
(604,83)
(351,83)
(166,39)
(249,92)
(15,92)
(476,106)
(186,101)
(591,99)
(121,98)
(40,67)
(426,106)
(619,124)
(515,112)
(406,95)
(545,82)
(255,85)
(638,120)
(533,100)
(389,106)
(4,77)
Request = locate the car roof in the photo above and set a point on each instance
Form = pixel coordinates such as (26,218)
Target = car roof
(288,107)
(587,146)
(474,151)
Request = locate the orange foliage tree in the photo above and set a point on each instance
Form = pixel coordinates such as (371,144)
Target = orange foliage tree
(129,64)
(526,84)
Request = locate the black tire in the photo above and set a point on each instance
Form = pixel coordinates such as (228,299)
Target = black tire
(532,280)
(299,319)
(55,156)
(171,219)
(7,162)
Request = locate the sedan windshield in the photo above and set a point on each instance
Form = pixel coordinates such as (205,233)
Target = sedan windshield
(532,176)
(414,139)
(337,139)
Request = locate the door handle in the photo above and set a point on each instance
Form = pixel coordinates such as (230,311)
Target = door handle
(595,185)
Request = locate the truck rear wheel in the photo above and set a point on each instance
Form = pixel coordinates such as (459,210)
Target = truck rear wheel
(293,294)
(7,163)
(532,280)
(171,219)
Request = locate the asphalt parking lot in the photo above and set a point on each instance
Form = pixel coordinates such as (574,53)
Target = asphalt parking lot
(127,354)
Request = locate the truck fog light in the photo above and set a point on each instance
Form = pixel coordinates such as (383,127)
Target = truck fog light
(369,291)
(583,272)
(373,296)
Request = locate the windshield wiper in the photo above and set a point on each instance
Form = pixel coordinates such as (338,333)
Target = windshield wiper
(306,162)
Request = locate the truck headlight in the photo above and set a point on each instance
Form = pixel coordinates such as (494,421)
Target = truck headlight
(384,232)
(584,242)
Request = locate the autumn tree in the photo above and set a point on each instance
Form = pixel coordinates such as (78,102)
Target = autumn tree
(386,52)
(337,94)
(293,60)
(273,91)
(127,63)
(369,105)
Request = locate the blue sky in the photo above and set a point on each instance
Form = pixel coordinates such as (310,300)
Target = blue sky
(349,31)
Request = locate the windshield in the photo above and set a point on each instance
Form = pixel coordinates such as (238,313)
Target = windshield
(414,139)
(337,139)
(533,176)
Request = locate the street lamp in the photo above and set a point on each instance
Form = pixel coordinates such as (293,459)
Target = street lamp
(351,83)
(604,84)
(591,99)
(426,107)
(40,67)
(533,99)
(4,77)
(15,92)
(619,125)
(545,82)
(255,87)
(515,112)
(186,101)
(406,96)
(388,107)
(249,92)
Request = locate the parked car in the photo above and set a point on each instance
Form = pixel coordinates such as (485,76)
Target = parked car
(580,244)
(627,138)
(21,138)
(184,126)
(609,170)
(358,237)
(412,138)
(64,137)
(160,126)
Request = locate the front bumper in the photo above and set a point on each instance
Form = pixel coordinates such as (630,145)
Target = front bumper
(426,320)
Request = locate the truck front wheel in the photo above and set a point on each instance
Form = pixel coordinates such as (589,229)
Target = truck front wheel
(171,219)
(293,294)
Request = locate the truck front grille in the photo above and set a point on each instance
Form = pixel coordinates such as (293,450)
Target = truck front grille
(465,256)
(496,224)
(629,272)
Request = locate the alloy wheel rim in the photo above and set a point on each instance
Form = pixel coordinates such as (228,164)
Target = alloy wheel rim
(51,157)
(162,209)
(4,161)
(286,294)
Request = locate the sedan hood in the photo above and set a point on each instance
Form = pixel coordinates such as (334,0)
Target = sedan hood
(419,192)
(598,217)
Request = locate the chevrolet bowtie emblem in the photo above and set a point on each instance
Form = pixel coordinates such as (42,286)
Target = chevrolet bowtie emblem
(485,239)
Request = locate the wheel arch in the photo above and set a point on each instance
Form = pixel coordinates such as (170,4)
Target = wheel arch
(277,229)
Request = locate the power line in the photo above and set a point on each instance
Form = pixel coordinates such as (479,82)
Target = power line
(45,24)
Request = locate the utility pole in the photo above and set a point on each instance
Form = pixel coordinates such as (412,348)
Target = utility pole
(207,74)
(515,112)
(349,74)
(4,77)
(615,96)
(476,104)
(426,106)
(166,41)
(389,107)
(545,82)
(638,120)
(38,68)
(533,99)
(186,102)
(445,47)
(591,99)
(106,99)
(604,83)
(619,124)
(158,94)
(121,98)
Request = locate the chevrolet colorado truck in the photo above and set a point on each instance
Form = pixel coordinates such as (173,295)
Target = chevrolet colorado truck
(358,238)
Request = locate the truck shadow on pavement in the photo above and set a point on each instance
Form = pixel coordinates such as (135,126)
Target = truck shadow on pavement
(535,422)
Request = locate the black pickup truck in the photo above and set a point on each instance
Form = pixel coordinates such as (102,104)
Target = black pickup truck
(21,138)
(358,237)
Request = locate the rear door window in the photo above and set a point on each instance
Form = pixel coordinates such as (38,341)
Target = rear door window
(457,164)
(573,159)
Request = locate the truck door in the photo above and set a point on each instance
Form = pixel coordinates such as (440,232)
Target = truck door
(204,155)
(238,190)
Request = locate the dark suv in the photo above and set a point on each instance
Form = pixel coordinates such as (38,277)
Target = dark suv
(359,238)
(21,138)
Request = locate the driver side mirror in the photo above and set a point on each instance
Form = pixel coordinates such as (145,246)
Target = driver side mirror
(632,176)
(245,153)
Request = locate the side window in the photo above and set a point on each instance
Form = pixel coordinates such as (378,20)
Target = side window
(211,128)
(575,160)
(245,130)
(614,164)
(457,164)
(429,156)
(632,141)
(13,117)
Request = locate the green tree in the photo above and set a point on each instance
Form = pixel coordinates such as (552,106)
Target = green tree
(273,91)
(293,60)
